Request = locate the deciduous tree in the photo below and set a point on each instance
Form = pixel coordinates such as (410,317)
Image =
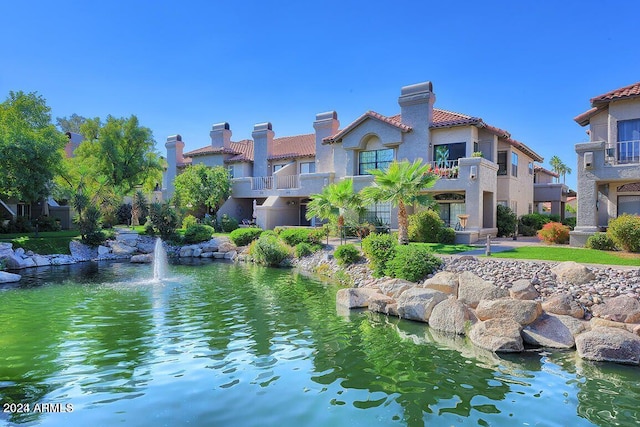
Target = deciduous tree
(202,186)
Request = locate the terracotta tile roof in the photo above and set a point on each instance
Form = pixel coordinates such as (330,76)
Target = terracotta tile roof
(634,186)
(393,121)
(241,151)
(444,118)
(244,149)
(601,102)
(538,168)
(289,147)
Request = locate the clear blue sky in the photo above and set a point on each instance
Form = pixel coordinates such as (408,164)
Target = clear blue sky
(527,67)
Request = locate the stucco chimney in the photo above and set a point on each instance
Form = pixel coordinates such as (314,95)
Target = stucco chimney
(175,148)
(416,108)
(326,124)
(220,135)
(262,148)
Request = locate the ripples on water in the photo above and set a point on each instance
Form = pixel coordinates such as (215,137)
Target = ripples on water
(239,345)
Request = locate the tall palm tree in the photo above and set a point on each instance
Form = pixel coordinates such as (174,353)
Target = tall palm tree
(556,165)
(401,184)
(333,201)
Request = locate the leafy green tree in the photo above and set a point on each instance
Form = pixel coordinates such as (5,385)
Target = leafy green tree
(30,147)
(202,186)
(71,124)
(560,168)
(401,184)
(334,200)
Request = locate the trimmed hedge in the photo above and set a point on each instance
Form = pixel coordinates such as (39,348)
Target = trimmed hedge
(244,236)
(625,232)
(601,242)
(447,236)
(198,233)
(293,236)
(424,226)
(379,249)
(412,263)
(305,249)
(346,254)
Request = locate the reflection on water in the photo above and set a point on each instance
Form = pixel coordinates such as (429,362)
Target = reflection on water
(224,344)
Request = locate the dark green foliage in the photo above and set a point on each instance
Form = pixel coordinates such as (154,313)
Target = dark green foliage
(89,226)
(268,250)
(424,226)
(447,236)
(625,232)
(553,218)
(244,236)
(228,224)
(412,263)
(379,249)
(528,225)
(164,220)
(198,233)
(302,250)
(123,214)
(601,241)
(47,223)
(506,221)
(293,236)
(19,225)
(346,254)
(190,220)
(570,222)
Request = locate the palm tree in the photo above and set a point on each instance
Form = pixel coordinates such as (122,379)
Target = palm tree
(564,170)
(557,165)
(333,201)
(401,184)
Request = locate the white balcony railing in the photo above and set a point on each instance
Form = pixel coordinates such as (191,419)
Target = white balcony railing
(445,169)
(287,181)
(275,182)
(628,152)
(262,183)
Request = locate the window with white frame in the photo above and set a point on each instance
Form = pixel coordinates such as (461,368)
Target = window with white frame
(307,167)
(377,214)
(375,159)
(629,141)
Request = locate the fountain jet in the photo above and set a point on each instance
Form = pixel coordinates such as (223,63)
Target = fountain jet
(159,261)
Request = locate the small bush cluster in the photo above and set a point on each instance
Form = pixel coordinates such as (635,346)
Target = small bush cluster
(293,236)
(228,224)
(506,221)
(528,225)
(424,226)
(554,232)
(447,236)
(189,221)
(123,214)
(268,250)
(198,233)
(570,222)
(601,242)
(346,254)
(47,223)
(163,220)
(379,249)
(89,226)
(244,236)
(412,263)
(625,232)
(19,225)
(305,249)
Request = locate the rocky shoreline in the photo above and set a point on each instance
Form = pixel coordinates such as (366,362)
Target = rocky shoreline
(505,305)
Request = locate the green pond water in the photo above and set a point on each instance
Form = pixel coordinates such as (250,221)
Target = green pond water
(238,345)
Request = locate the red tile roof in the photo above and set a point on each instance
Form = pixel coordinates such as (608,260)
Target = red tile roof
(393,121)
(444,118)
(601,102)
(241,150)
(289,147)
(537,168)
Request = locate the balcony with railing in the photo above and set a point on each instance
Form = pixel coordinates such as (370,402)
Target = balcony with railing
(622,153)
(445,169)
(301,185)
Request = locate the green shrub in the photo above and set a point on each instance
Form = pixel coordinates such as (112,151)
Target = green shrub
(346,254)
(554,232)
(625,232)
(198,233)
(89,226)
(412,263)
(123,214)
(528,225)
(506,221)
(553,217)
(20,225)
(244,236)
(303,249)
(268,250)
(424,226)
(189,221)
(293,236)
(601,242)
(228,224)
(570,222)
(278,229)
(47,223)
(379,249)
(447,236)
(164,220)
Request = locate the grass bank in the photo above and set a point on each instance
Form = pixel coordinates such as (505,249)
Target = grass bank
(581,255)
(442,249)
(46,243)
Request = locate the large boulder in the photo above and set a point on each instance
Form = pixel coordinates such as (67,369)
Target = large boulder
(609,345)
(563,304)
(473,288)
(82,252)
(41,261)
(548,331)
(187,251)
(575,326)
(619,309)
(395,287)
(573,273)
(355,297)
(443,281)
(381,303)
(128,237)
(522,311)
(14,262)
(142,259)
(451,316)
(499,335)
(9,277)
(417,303)
(523,289)
(121,248)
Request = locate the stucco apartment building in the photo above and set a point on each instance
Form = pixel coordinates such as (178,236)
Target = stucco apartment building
(273,178)
(609,164)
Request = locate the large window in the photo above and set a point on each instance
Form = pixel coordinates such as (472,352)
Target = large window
(307,167)
(629,141)
(502,162)
(514,164)
(445,153)
(377,214)
(376,159)
(24,209)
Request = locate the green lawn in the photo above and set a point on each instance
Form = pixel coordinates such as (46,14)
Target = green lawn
(47,242)
(439,248)
(561,253)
